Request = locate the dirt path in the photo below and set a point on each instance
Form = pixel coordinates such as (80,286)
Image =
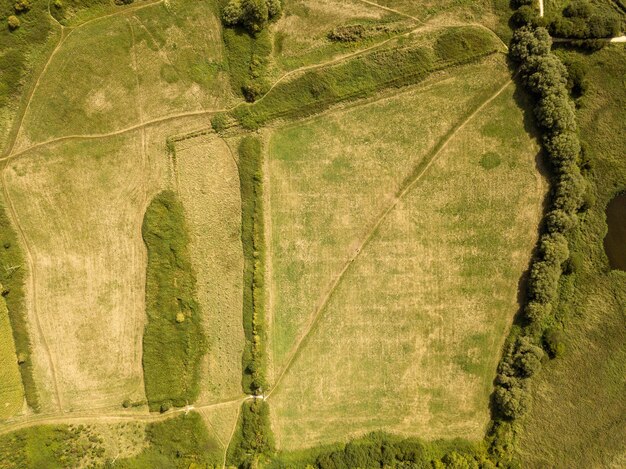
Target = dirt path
(541,8)
(370,234)
(391,10)
(69,418)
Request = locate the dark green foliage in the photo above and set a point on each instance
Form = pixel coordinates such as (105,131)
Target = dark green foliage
(379,449)
(529,42)
(172,349)
(578,9)
(362,76)
(181,442)
(512,401)
(218,122)
(527,357)
(347,33)
(253,438)
(252,237)
(253,15)
(582,20)
(553,342)
(13,269)
(525,15)
(247,61)
(553,248)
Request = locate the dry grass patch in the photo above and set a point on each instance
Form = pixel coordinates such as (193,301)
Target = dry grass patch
(208,186)
(11,390)
(179,53)
(410,338)
(81,205)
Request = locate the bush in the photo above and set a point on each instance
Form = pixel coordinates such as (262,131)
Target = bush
(563,148)
(219,121)
(559,221)
(512,402)
(543,281)
(555,113)
(528,41)
(544,75)
(578,9)
(253,437)
(13,22)
(537,312)
(253,15)
(553,248)
(527,357)
(22,6)
(347,33)
(525,15)
(553,342)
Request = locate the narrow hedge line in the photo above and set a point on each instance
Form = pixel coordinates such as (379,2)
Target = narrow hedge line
(317,90)
(545,77)
(173,339)
(253,240)
(253,441)
(12,277)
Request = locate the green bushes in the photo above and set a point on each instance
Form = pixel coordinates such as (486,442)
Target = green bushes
(362,76)
(253,437)
(13,269)
(181,442)
(545,77)
(581,20)
(247,61)
(253,15)
(253,240)
(172,349)
(383,450)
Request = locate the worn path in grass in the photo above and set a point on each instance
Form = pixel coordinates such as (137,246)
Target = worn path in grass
(317,314)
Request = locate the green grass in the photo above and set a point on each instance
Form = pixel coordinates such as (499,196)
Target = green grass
(52,447)
(409,339)
(252,236)
(362,76)
(11,390)
(13,271)
(173,341)
(577,414)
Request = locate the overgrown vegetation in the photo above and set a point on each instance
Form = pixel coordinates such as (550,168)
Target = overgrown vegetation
(174,340)
(253,439)
(384,450)
(52,447)
(253,15)
(247,61)
(182,442)
(12,277)
(252,237)
(316,90)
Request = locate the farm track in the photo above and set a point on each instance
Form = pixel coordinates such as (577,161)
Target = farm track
(408,186)
(113,417)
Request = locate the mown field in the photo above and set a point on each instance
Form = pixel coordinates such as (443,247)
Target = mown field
(80,206)
(391,313)
(577,416)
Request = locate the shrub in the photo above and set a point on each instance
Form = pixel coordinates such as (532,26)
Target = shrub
(569,190)
(555,113)
(524,15)
(251,14)
(253,437)
(22,6)
(554,248)
(537,312)
(232,13)
(527,358)
(528,41)
(559,221)
(563,148)
(347,33)
(543,281)
(218,122)
(516,4)
(544,75)
(553,342)
(511,402)
(578,9)
(13,22)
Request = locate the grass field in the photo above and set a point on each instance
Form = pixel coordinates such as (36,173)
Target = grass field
(161,60)
(577,417)
(80,205)
(11,390)
(208,185)
(399,351)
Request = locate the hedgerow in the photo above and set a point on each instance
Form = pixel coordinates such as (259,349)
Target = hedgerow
(13,269)
(545,77)
(252,237)
(174,339)
(253,438)
(360,77)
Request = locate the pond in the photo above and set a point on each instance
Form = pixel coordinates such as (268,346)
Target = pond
(615,241)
